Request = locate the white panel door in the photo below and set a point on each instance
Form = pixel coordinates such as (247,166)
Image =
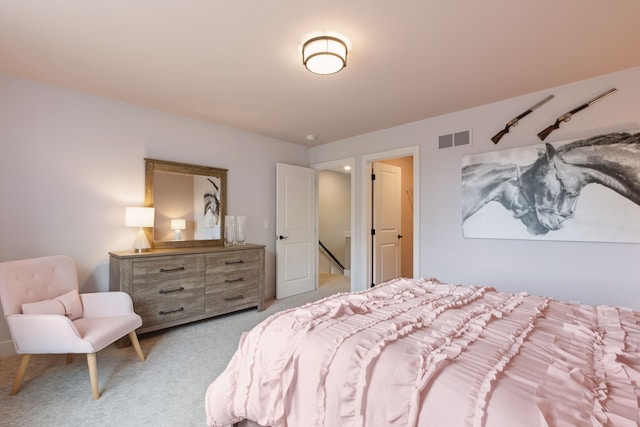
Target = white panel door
(296,247)
(387,221)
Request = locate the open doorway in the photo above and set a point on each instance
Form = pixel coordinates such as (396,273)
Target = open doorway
(392,219)
(403,241)
(335,223)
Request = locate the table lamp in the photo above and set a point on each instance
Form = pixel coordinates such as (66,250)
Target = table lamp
(139,217)
(178,225)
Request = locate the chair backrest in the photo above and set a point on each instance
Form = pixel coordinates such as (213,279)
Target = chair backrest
(35,279)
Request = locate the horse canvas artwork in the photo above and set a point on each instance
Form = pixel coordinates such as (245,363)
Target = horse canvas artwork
(579,190)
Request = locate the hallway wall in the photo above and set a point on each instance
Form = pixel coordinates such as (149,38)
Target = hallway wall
(334,212)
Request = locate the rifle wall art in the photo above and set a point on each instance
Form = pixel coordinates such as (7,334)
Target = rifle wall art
(575,190)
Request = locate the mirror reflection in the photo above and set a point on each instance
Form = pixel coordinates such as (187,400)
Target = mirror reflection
(188,201)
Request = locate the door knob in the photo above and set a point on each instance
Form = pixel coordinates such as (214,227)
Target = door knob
(399,236)
(281,237)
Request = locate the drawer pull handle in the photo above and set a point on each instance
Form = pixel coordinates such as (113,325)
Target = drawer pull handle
(234,262)
(233,298)
(169,270)
(239,279)
(168,291)
(163,312)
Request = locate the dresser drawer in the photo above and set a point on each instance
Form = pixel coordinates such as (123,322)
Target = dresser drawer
(231,279)
(225,300)
(168,270)
(167,289)
(227,291)
(169,310)
(232,261)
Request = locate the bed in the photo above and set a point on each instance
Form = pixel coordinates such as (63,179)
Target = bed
(425,353)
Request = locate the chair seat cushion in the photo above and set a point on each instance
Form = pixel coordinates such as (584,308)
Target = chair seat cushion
(68,304)
(102,331)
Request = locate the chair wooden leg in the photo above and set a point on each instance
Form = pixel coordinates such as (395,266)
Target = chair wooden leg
(93,375)
(23,367)
(69,358)
(136,344)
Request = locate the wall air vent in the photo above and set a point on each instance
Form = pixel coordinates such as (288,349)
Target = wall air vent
(456,139)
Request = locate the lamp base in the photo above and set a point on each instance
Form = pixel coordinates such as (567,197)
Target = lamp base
(141,243)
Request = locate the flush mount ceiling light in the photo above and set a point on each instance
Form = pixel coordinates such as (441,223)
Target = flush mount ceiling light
(324,55)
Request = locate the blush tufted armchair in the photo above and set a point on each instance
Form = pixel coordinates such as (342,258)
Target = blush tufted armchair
(46,314)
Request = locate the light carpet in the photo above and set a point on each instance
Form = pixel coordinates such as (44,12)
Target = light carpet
(167,389)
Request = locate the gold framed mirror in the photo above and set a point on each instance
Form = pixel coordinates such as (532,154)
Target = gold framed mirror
(190,204)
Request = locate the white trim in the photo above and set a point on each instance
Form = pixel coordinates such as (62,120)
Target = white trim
(365,209)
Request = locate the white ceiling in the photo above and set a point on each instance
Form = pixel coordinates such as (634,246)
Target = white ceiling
(238,63)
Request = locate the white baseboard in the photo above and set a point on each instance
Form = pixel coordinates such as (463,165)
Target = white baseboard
(7,349)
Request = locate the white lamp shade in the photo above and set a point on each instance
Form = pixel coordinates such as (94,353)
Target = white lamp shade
(139,217)
(178,224)
(324,55)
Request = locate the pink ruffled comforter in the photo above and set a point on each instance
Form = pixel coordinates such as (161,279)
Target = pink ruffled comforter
(423,353)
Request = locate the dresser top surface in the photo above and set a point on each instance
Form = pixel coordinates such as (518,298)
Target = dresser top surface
(184,251)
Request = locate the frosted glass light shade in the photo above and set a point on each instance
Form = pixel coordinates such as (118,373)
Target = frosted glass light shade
(324,55)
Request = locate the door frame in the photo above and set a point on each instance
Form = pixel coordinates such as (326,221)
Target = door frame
(365,209)
(334,165)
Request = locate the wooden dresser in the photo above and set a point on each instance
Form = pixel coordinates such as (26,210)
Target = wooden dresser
(171,287)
